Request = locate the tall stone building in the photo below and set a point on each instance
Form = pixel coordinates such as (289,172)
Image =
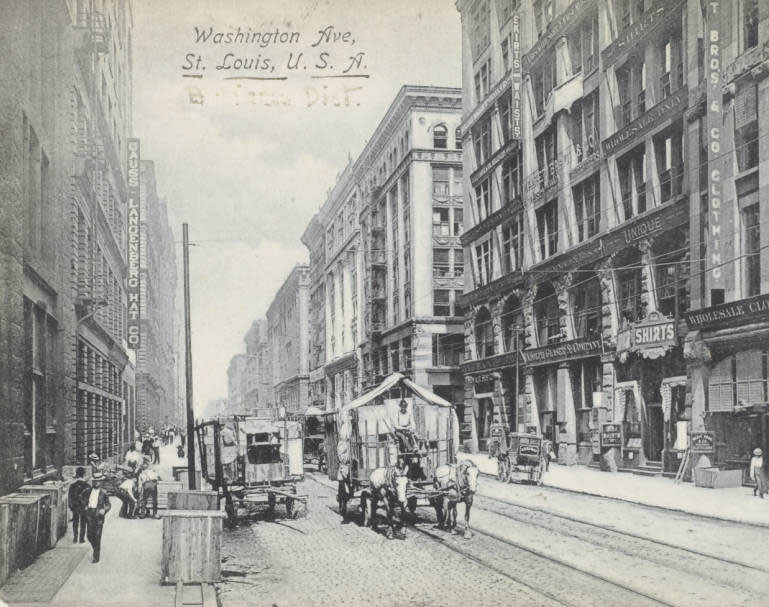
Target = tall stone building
(156,404)
(385,258)
(65,114)
(588,242)
(257,374)
(235,384)
(287,330)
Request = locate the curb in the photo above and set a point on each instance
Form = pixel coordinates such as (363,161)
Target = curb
(711,517)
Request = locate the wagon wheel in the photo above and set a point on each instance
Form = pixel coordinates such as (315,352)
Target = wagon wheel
(411,504)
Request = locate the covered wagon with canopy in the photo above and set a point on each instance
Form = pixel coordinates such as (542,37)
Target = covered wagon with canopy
(370,433)
(252,460)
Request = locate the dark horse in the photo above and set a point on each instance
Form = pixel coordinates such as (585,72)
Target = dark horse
(388,484)
(458,482)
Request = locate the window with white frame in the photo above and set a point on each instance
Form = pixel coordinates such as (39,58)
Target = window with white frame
(547,223)
(483,198)
(440,137)
(483,261)
(481,134)
(587,207)
(512,244)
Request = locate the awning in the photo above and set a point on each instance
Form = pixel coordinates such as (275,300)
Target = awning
(388,384)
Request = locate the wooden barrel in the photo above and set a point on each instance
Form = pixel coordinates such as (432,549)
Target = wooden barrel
(192,546)
(193,500)
(59,511)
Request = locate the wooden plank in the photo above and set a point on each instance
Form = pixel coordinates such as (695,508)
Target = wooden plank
(179,594)
(192,594)
(191,549)
(193,500)
(209,595)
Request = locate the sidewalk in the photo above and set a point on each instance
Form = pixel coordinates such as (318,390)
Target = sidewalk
(732,504)
(128,573)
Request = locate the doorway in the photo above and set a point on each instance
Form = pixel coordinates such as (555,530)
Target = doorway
(654,435)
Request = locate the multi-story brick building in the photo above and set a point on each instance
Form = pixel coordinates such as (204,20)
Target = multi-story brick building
(156,403)
(65,109)
(287,331)
(385,261)
(587,165)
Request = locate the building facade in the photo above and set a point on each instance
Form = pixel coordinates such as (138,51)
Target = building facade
(586,156)
(156,404)
(386,263)
(65,109)
(287,330)
(257,374)
(236,384)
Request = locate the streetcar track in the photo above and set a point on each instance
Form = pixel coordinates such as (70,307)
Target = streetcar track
(441,541)
(636,536)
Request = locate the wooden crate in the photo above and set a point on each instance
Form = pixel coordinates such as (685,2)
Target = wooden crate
(192,546)
(24,530)
(59,510)
(193,500)
(163,488)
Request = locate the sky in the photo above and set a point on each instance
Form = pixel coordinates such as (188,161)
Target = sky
(246,163)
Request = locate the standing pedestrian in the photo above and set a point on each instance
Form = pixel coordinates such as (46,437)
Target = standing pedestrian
(76,506)
(156,448)
(148,480)
(757,473)
(97,505)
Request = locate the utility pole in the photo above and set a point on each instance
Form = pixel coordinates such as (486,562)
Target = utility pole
(188,361)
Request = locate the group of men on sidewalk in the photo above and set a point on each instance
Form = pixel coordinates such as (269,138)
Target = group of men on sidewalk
(90,503)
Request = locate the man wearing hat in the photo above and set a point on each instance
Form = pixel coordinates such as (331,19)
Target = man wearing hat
(757,472)
(96,503)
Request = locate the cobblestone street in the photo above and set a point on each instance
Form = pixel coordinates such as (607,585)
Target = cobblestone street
(517,555)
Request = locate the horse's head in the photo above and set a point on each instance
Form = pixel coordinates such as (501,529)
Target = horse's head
(470,477)
(401,483)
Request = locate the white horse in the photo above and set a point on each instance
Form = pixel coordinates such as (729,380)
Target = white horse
(459,483)
(388,484)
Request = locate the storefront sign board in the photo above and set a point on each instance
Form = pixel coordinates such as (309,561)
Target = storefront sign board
(652,336)
(611,435)
(703,442)
(730,314)
(133,283)
(566,350)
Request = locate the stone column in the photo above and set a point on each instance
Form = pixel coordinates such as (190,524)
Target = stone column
(567,452)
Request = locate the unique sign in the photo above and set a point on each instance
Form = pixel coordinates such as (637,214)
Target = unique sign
(673,105)
(133,283)
(611,435)
(732,313)
(566,350)
(634,35)
(654,222)
(702,442)
(716,242)
(517,77)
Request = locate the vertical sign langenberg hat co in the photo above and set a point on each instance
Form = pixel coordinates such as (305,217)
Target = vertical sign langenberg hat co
(133,287)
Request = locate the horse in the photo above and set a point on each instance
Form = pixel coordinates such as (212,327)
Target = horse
(459,482)
(388,484)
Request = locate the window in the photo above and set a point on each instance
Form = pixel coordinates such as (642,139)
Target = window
(512,244)
(590,43)
(629,300)
(456,185)
(587,207)
(547,315)
(669,151)
(512,324)
(632,181)
(738,379)
(440,222)
(483,198)
(672,66)
(746,127)
(506,54)
(482,80)
(457,224)
(483,259)
(394,357)
(482,140)
(484,334)
(631,82)
(34,193)
(458,138)
(441,303)
(441,262)
(481,24)
(447,350)
(458,309)
(511,179)
(547,223)
(459,263)
(630,12)
(586,302)
(543,15)
(440,137)
(546,145)
(751,227)
(440,182)
(506,116)
(544,80)
(749,24)
(407,353)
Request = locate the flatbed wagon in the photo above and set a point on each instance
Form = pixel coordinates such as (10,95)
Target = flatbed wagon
(366,435)
(253,461)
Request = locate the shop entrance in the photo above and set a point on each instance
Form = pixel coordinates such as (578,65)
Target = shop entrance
(654,438)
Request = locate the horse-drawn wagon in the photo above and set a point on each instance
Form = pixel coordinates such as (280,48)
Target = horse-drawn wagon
(399,429)
(519,455)
(253,460)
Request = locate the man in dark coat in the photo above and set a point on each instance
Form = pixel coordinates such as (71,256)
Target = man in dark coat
(74,500)
(96,503)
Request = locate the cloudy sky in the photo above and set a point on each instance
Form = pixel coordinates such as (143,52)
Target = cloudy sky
(247,162)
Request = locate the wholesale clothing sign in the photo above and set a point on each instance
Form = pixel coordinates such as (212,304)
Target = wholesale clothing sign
(133,288)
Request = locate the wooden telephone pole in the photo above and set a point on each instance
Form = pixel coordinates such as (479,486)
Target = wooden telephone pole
(188,361)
